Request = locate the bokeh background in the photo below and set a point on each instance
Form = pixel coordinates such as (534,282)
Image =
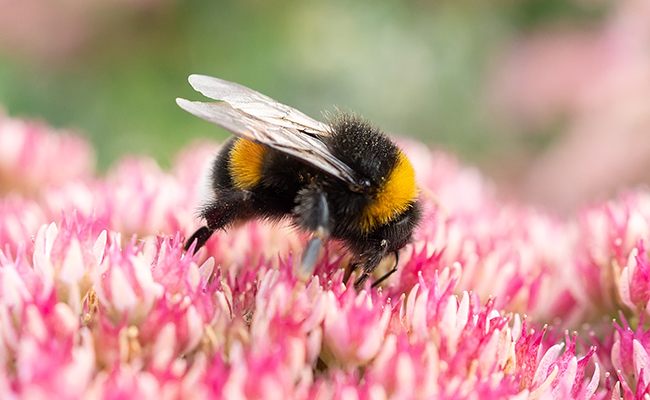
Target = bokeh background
(549,98)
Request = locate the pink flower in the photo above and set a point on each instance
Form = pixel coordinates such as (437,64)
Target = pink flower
(634,283)
(255,373)
(31,154)
(124,283)
(631,357)
(104,303)
(403,369)
(354,328)
(19,219)
(142,199)
(66,256)
(495,249)
(125,382)
(610,258)
(52,354)
(594,83)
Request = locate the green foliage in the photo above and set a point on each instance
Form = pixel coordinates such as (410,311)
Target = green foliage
(413,68)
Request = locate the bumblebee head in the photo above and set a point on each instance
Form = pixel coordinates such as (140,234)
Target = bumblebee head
(386,176)
(395,194)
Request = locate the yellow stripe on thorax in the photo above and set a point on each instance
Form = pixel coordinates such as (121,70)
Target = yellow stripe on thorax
(246,162)
(395,195)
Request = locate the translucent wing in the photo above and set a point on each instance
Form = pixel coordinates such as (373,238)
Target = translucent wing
(260,119)
(256,104)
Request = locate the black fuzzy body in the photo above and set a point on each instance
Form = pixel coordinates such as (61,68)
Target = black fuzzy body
(314,200)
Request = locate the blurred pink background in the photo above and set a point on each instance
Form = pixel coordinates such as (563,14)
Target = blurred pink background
(594,84)
(550,99)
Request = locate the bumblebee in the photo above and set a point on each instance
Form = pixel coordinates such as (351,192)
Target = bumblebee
(345,180)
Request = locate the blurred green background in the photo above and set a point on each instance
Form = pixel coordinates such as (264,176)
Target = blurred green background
(415,68)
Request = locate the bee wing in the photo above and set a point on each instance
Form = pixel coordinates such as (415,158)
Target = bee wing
(256,104)
(287,139)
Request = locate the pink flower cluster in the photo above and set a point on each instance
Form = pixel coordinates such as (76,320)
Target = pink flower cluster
(98,300)
(593,81)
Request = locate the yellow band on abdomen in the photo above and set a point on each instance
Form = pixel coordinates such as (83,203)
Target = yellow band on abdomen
(246,162)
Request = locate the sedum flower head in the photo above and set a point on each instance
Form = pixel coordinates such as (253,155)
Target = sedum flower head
(31,154)
(611,263)
(99,301)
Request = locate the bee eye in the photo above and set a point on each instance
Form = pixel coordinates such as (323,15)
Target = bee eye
(361,187)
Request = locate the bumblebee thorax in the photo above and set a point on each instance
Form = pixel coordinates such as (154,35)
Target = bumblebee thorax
(394,195)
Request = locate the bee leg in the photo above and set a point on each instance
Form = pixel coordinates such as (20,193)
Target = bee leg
(387,274)
(310,255)
(230,206)
(312,214)
(370,257)
(201,236)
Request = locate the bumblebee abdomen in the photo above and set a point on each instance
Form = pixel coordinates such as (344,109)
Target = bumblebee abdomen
(246,163)
(271,178)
